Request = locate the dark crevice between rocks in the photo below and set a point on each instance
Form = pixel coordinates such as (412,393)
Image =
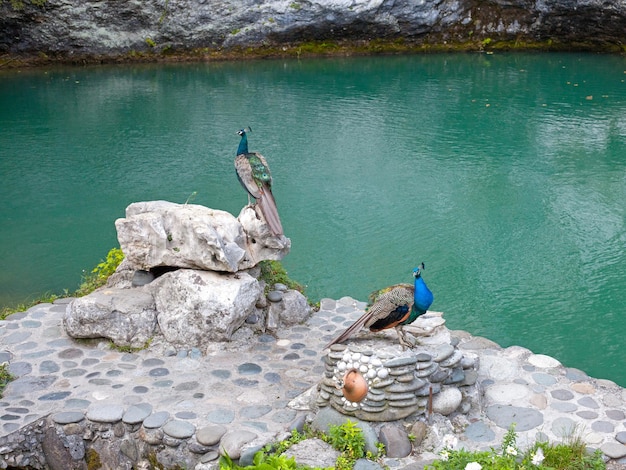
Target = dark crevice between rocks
(142,277)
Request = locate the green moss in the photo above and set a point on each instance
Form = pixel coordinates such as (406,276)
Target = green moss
(273,272)
(130,349)
(5,377)
(156,465)
(93,460)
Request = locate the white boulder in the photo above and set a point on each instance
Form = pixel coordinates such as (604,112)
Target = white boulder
(161,233)
(127,317)
(198,307)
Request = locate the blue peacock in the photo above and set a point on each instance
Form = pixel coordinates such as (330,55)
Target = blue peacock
(254,175)
(393,307)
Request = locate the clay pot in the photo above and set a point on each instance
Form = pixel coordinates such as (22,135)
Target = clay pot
(354,386)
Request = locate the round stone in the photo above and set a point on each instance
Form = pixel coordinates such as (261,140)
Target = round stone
(505,415)
(253,412)
(563,427)
(48,367)
(562,394)
(617,415)
(563,406)
(67,417)
(105,413)
(544,379)
(210,435)
(158,372)
(71,353)
(588,402)
(221,373)
(602,426)
(272,377)
(275,296)
(543,361)
(249,368)
(507,393)
(137,413)
(613,450)
(156,420)
(221,416)
(479,432)
(447,401)
(54,396)
(179,429)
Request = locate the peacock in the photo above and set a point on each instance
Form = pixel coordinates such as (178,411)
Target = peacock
(393,307)
(254,175)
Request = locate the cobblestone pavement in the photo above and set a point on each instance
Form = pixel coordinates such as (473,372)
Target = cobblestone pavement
(247,385)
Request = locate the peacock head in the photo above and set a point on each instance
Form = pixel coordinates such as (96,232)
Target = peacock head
(417,272)
(243,144)
(242,132)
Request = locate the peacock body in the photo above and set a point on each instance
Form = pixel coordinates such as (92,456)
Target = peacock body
(393,307)
(254,175)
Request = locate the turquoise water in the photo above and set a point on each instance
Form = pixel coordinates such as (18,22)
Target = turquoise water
(505,174)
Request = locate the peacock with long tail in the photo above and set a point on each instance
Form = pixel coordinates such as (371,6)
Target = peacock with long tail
(254,175)
(393,307)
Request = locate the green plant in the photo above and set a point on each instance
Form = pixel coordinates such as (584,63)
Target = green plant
(5,377)
(570,455)
(99,275)
(348,439)
(261,461)
(150,42)
(273,272)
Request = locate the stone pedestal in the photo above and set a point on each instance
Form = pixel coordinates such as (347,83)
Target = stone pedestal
(431,377)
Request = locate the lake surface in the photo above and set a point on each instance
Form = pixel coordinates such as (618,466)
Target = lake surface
(505,174)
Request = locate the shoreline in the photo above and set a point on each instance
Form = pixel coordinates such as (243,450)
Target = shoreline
(303,50)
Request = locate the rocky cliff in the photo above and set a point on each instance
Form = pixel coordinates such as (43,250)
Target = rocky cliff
(115,27)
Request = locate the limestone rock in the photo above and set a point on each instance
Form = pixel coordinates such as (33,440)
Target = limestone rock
(127,317)
(69,26)
(293,309)
(447,401)
(396,441)
(197,307)
(313,453)
(58,451)
(161,233)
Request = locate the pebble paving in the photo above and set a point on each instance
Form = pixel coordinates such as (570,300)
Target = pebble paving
(247,385)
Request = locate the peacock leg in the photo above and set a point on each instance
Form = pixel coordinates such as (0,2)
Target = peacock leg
(401,338)
(406,339)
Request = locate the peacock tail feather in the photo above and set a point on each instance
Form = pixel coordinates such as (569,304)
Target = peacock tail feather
(392,307)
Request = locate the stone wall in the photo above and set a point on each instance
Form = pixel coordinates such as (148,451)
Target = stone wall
(74,27)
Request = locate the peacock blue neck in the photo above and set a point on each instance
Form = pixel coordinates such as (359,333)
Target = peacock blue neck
(243,144)
(423,297)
